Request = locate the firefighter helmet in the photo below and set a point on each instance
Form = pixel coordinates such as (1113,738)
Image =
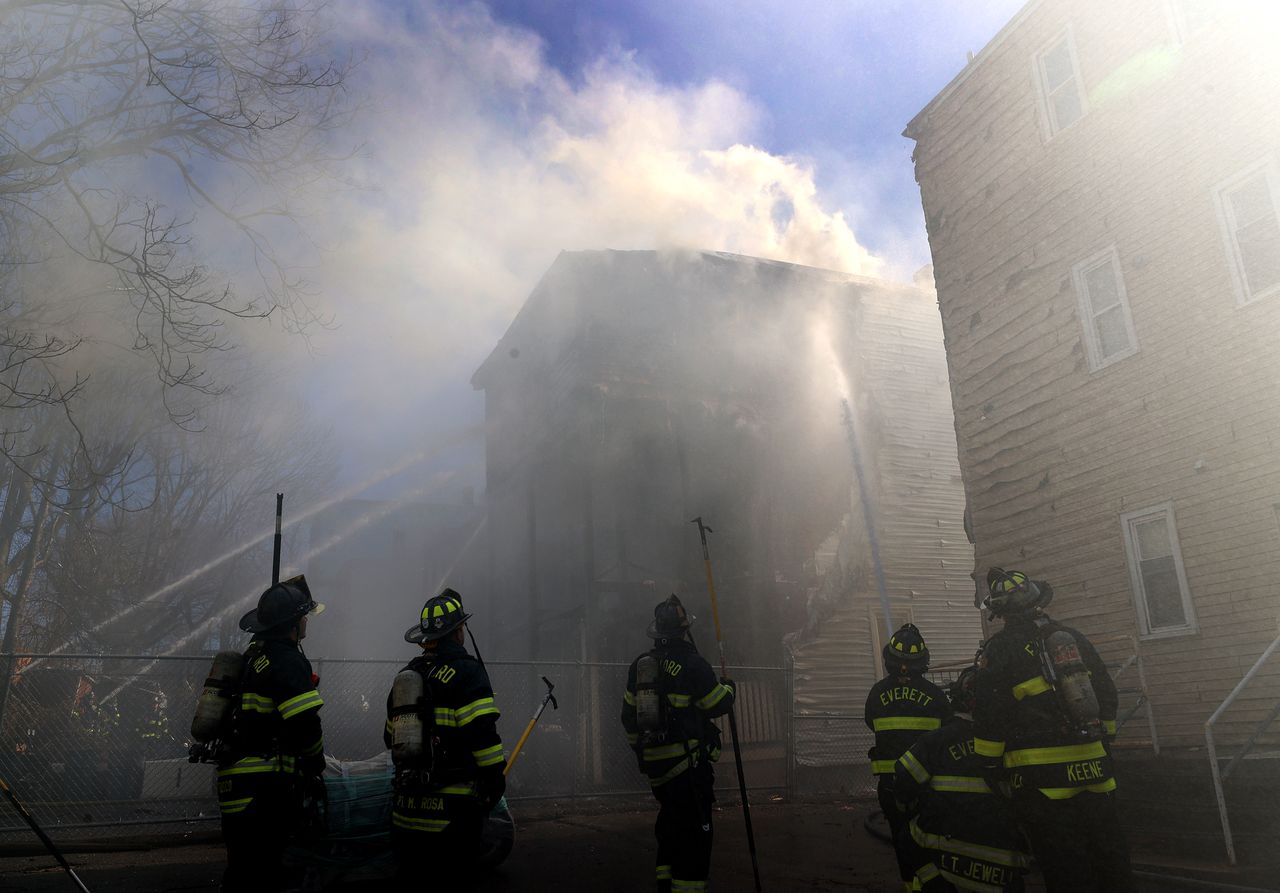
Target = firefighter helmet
(963,691)
(1013,592)
(670,619)
(441,615)
(282,604)
(906,649)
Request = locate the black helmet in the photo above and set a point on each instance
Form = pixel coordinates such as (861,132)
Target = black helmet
(441,615)
(907,649)
(963,692)
(280,605)
(1013,592)
(670,620)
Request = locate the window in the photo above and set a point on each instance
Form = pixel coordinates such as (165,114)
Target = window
(1058,76)
(1247,211)
(1104,309)
(1156,573)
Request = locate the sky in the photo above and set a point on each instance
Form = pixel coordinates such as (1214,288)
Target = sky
(489,137)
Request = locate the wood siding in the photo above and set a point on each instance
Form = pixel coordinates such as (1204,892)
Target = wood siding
(1053,454)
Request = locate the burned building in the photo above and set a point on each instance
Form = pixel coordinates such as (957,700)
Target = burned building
(637,390)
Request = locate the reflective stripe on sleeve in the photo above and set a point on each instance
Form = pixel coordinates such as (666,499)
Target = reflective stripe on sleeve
(1109,726)
(905,723)
(308,700)
(983,747)
(476,709)
(316,748)
(488,756)
(1037,686)
(664,872)
(677,700)
(682,886)
(255,703)
(629,698)
(230,807)
(912,765)
(633,738)
(1047,756)
(882,767)
(713,697)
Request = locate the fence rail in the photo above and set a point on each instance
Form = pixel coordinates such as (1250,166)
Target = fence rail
(93,742)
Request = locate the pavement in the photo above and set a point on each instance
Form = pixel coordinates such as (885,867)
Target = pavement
(560,846)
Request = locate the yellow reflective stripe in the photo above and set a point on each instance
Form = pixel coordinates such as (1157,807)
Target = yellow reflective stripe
(679,886)
(1047,756)
(388,727)
(912,765)
(252,765)
(1012,858)
(488,756)
(633,737)
(1109,726)
(415,824)
(926,873)
(316,748)
(678,700)
(308,700)
(960,784)
(664,872)
(456,789)
(474,710)
(669,751)
(713,697)
(984,748)
(1102,787)
(629,698)
(882,767)
(233,806)
(1031,687)
(256,703)
(905,723)
(670,773)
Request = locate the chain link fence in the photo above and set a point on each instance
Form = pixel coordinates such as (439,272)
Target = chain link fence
(97,744)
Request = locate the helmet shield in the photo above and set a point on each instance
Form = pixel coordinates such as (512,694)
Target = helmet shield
(281,605)
(441,615)
(670,619)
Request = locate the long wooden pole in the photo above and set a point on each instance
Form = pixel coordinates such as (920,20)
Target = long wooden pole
(703,530)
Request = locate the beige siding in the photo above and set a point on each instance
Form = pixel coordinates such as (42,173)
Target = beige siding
(1054,454)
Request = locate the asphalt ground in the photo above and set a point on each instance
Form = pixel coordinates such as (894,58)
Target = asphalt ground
(574,846)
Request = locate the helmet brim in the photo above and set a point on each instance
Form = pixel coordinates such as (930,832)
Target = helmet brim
(251,624)
(417,635)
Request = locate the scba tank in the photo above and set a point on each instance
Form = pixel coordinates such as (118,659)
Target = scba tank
(221,690)
(407,732)
(1075,690)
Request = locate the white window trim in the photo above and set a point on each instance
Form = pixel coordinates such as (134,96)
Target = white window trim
(1042,88)
(1093,346)
(1268,167)
(1135,575)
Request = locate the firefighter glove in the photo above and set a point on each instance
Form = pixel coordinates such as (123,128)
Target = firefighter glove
(490,786)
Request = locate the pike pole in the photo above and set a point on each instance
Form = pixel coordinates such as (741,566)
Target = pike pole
(537,715)
(275,546)
(703,530)
(44,838)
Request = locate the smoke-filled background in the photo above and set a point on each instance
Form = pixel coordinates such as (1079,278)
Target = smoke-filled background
(259,248)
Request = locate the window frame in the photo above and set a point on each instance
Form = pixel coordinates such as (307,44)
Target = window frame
(1092,340)
(1133,558)
(1047,123)
(1271,172)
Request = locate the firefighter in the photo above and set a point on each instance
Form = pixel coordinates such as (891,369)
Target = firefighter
(965,829)
(1043,721)
(672,695)
(445,791)
(900,708)
(275,747)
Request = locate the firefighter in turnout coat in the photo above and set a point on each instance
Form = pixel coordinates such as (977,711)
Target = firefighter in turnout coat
(900,708)
(966,830)
(672,695)
(276,747)
(1044,718)
(445,792)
